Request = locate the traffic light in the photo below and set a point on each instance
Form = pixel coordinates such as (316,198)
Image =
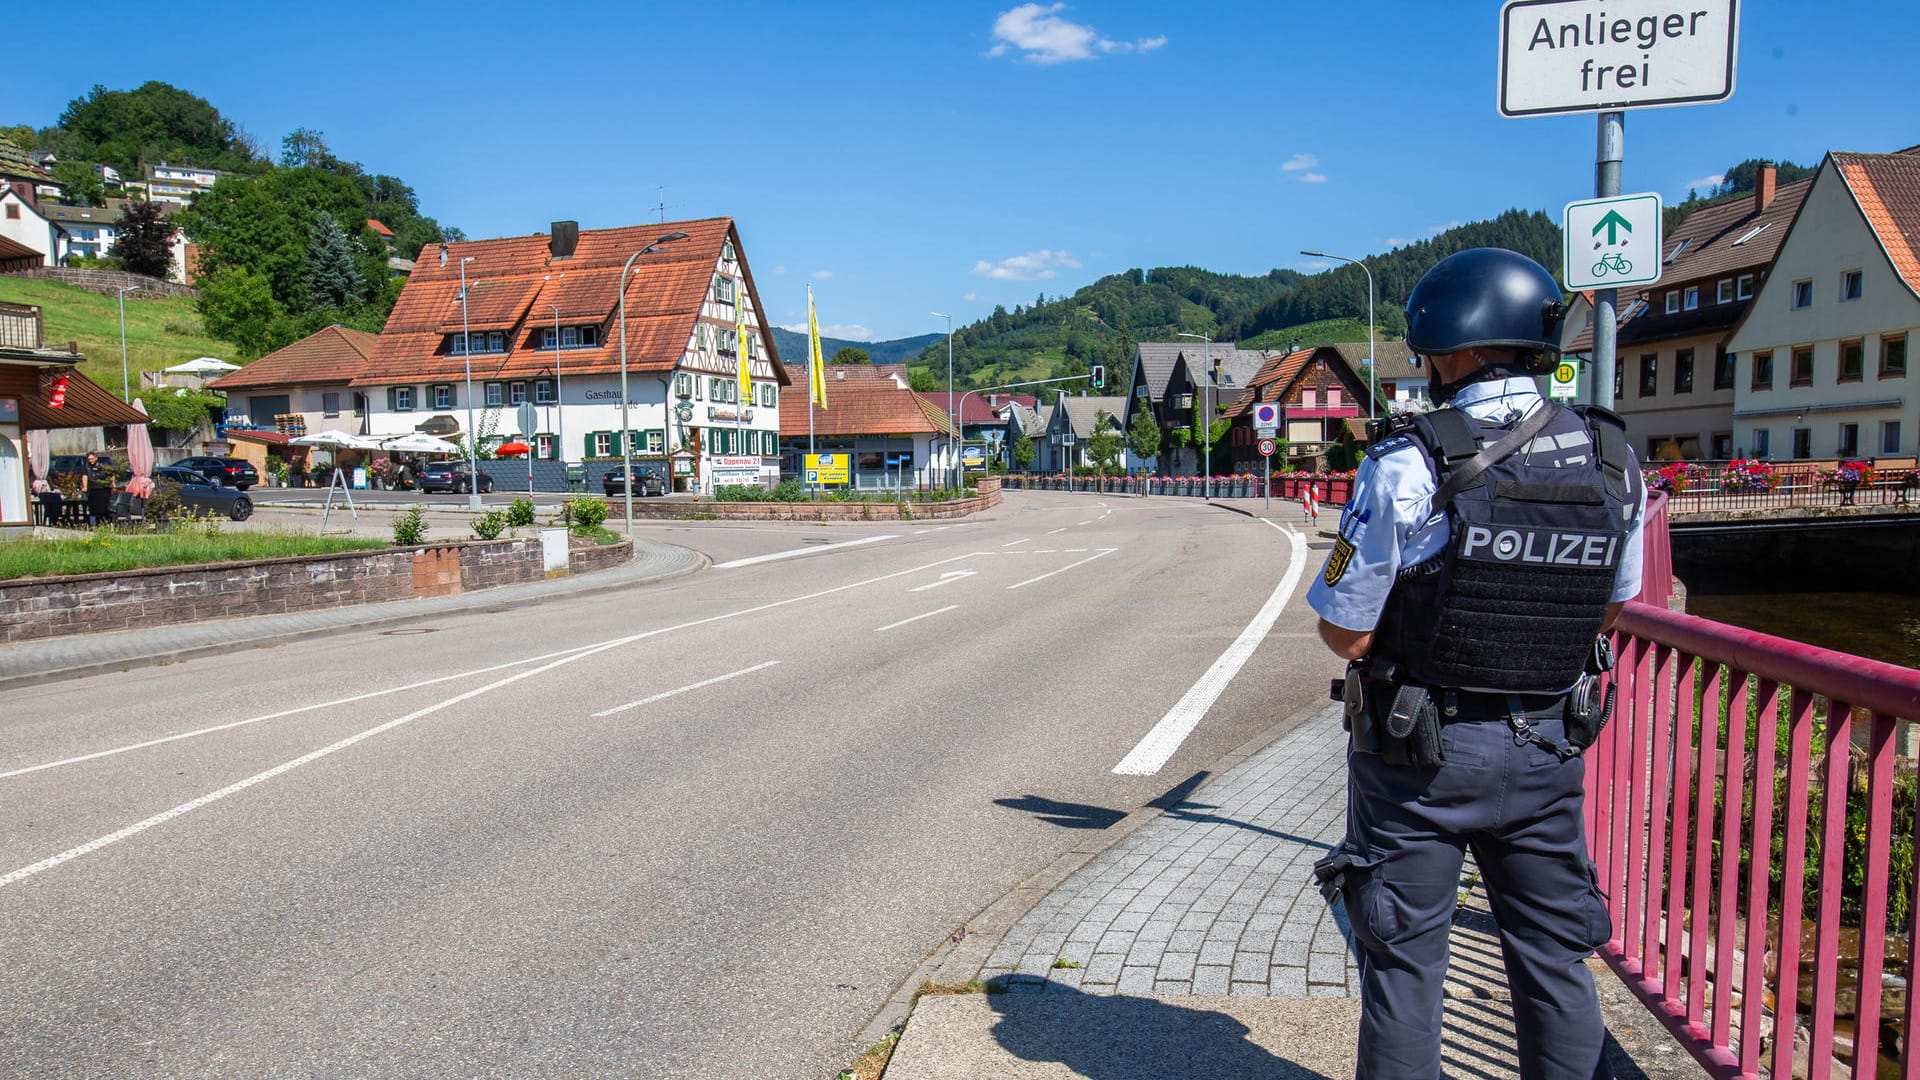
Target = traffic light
(57,394)
(1098,376)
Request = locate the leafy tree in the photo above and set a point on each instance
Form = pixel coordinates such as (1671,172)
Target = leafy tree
(1143,438)
(237,305)
(179,410)
(849,354)
(1024,451)
(81,184)
(304,147)
(1105,444)
(330,276)
(20,135)
(924,380)
(144,241)
(264,225)
(128,129)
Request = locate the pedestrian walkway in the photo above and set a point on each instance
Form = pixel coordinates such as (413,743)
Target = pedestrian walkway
(77,654)
(1198,946)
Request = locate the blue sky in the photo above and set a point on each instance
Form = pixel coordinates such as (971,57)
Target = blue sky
(906,157)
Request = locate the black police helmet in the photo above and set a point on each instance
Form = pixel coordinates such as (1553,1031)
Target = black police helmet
(1488,297)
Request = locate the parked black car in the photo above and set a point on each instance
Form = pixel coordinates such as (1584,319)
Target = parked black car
(452,476)
(645,482)
(233,472)
(201,493)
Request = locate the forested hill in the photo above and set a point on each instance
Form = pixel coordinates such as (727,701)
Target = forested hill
(1342,291)
(1099,324)
(793,347)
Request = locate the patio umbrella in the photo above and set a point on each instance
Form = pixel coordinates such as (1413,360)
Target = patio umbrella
(140,457)
(336,440)
(37,459)
(419,442)
(205,365)
(512,449)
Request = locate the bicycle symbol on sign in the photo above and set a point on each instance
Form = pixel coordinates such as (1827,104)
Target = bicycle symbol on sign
(1616,262)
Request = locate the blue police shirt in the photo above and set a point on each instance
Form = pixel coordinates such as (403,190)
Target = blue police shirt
(1390,523)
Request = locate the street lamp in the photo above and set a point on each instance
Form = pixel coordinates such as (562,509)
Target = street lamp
(126,389)
(1206,416)
(626,429)
(1373,381)
(473,434)
(952,428)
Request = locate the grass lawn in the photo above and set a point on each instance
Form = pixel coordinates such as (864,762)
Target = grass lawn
(105,551)
(160,332)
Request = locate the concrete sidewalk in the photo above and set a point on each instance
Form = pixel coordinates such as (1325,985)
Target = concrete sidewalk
(1197,946)
(82,654)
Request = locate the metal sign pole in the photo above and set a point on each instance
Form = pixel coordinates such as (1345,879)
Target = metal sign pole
(1609,151)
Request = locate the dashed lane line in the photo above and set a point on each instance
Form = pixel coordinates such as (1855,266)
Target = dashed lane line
(753,560)
(915,618)
(1064,569)
(664,695)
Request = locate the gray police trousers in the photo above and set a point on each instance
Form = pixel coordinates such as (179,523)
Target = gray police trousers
(1519,807)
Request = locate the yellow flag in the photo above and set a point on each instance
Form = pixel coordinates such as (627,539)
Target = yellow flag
(816,372)
(746,369)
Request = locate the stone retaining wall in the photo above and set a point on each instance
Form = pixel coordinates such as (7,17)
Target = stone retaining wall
(97,603)
(987,495)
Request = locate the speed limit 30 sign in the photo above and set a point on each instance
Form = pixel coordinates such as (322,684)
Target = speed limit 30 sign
(1266,448)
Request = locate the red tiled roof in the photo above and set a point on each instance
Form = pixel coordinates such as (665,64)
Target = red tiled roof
(1271,381)
(335,354)
(1709,242)
(376,226)
(512,281)
(1887,189)
(975,405)
(862,406)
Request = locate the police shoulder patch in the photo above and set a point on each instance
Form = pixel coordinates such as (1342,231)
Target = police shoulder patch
(1337,561)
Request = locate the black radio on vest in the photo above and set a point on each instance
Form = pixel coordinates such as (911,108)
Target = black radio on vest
(1535,536)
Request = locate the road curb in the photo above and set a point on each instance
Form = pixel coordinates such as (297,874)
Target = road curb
(962,955)
(267,640)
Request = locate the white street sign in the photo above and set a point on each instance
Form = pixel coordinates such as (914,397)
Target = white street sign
(1612,242)
(1575,56)
(1266,419)
(1267,448)
(1565,382)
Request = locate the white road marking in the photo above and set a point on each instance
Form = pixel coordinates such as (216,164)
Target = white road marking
(1064,569)
(1088,522)
(947,578)
(690,686)
(284,713)
(802,551)
(1076,551)
(165,816)
(1159,744)
(1022,540)
(916,618)
(1061,529)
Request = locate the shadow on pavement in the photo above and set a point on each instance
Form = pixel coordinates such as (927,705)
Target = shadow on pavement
(1064,814)
(1133,1038)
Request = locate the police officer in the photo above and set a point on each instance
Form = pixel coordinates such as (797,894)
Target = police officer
(1486,547)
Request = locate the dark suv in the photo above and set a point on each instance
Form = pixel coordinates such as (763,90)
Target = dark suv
(227,471)
(452,476)
(645,482)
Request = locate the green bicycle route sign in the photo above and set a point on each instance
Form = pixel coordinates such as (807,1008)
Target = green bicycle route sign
(1612,242)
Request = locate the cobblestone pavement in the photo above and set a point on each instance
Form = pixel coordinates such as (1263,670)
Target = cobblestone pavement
(1215,896)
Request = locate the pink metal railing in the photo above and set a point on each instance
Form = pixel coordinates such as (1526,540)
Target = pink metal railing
(1668,813)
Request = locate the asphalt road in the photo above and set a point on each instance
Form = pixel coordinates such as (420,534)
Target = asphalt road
(695,829)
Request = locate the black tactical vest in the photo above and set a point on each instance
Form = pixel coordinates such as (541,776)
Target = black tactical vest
(1514,600)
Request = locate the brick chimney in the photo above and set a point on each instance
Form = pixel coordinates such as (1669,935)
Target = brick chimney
(1763,185)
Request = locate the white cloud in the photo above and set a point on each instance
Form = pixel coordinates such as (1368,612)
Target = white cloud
(1397,241)
(779,270)
(1043,37)
(1042,265)
(1706,184)
(1313,267)
(970,297)
(1436,230)
(1313,178)
(1298,162)
(845,331)
(822,275)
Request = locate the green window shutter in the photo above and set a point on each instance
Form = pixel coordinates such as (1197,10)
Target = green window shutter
(393,399)
(589,450)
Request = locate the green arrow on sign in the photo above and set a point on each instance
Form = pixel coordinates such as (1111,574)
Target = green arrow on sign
(1613,223)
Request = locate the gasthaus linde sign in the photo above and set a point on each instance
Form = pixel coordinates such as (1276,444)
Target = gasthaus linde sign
(1574,56)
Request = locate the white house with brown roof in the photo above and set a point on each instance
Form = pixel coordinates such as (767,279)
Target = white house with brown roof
(539,321)
(303,388)
(1821,366)
(22,222)
(893,437)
